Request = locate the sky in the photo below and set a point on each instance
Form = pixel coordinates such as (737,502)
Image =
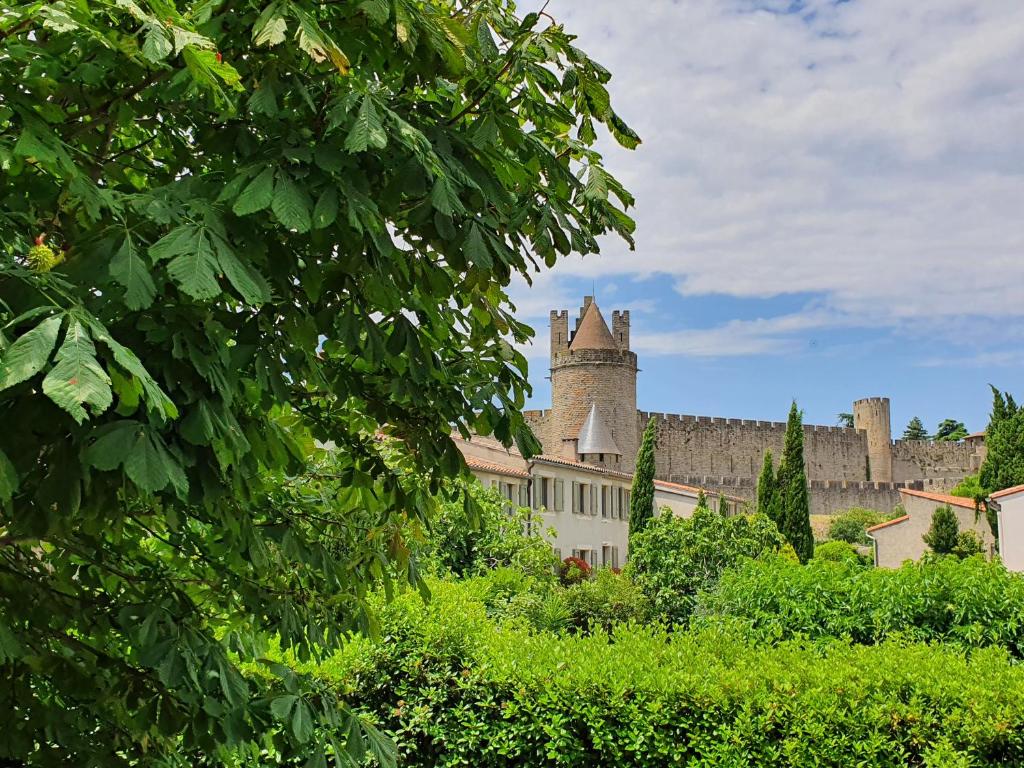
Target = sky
(830,205)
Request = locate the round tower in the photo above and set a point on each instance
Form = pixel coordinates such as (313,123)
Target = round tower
(872,415)
(593,387)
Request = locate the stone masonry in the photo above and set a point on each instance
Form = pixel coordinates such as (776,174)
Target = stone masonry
(846,467)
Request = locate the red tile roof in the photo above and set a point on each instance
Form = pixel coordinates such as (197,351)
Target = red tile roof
(887,523)
(942,498)
(1007,492)
(482,465)
(549,459)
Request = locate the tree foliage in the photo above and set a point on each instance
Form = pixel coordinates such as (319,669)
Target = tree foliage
(942,534)
(1004,440)
(229,230)
(674,557)
(915,430)
(950,430)
(844,419)
(767,493)
(641,499)
(792,498)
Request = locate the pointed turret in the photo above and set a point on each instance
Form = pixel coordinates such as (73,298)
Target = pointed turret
(593,331)
(594,436)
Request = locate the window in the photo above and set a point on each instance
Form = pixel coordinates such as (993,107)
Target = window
(524,495)
(605,506)
(621,493)
(615,557)
(593,558)
(606,556)
(558,552)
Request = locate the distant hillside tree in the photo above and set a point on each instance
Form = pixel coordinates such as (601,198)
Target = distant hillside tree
(845,420)
(767,495)
(641,503)
(942,535)
(791,488)
(915,430)
(950,430)
(1004,439)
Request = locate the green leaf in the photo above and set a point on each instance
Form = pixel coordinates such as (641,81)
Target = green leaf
(156,399)
(128,269)
(175,242)
(443,197)
(150,465)
(249,283)
(476,248)
(367,130)
(195,268)
(29,353)
(281,707)
(270,28)
(377,10)
(302,721)
(291,205)
(326,210)
(257,195)
(232,684)
(113,444)
(77,379)
(157,45)
(8,478)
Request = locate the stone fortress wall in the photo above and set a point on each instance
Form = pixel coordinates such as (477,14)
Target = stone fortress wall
(846,467)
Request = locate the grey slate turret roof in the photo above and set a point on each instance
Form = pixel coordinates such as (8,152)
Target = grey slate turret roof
(594,436)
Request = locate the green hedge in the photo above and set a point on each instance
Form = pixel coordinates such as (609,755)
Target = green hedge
(969,602)
(456,688)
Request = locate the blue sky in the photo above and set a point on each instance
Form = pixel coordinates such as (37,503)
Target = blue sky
(830,205)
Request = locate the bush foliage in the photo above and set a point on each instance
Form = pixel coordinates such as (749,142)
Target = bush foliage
(456,688)
(971,602)
(674,558)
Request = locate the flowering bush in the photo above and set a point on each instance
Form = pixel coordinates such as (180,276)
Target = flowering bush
(574,570)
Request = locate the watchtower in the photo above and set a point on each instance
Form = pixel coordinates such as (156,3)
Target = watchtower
(872,415)
(593,388)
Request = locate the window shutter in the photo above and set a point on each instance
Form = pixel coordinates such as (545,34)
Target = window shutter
(537,481)
(524,495)
(593,499)
(575,500)
(559,495)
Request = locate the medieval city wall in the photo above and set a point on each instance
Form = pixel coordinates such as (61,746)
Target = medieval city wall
(704,445)
(922,459)
(827,497)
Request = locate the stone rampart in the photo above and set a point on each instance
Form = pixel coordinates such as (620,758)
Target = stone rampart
(705,445)
(828,497)
(923,459)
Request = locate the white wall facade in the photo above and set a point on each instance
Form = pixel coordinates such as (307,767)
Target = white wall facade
(582,508)
(1011,527)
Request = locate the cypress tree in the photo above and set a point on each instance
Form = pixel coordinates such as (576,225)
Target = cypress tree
(723,505)
(641,502)
(1004,443)
(702,500)
(792,499)
(766,491)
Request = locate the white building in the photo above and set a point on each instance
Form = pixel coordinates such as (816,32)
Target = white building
(902,539)
(1009,506)
(587,506)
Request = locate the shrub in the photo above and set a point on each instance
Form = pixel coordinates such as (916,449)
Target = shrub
(944,532)
(674,557)
(456,689)
(836,552)
(574,570)
(970,602)
(850,526)
(471,536)
(605,600)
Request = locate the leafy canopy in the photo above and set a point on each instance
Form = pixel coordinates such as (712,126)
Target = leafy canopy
(229,230)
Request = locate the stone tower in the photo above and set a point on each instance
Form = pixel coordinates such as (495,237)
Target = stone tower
(593,388)
(872,415)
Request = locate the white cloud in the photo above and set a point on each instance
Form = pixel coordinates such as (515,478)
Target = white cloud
(873,154)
